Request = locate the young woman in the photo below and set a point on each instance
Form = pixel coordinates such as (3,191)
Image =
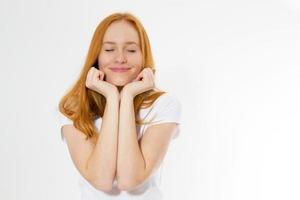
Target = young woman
(116,123)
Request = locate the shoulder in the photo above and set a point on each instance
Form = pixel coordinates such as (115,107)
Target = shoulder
(167,108)
(167,100)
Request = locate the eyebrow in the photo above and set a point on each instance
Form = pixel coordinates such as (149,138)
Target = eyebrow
(127,43)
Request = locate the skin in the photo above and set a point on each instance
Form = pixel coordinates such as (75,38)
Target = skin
(121,47)
(119,153)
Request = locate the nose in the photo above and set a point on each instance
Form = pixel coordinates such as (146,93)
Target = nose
(121,58)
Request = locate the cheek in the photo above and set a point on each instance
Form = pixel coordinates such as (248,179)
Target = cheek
(137,60)
(103,60)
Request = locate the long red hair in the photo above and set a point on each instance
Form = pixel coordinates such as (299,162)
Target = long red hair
(83,105)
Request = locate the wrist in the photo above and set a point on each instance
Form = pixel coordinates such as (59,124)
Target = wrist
(113,95)
(125,94)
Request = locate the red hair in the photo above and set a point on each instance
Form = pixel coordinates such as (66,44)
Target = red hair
(83,105)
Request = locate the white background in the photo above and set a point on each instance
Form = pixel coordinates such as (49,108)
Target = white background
(234,65)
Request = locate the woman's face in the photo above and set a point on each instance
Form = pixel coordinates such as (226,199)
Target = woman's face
(120,49)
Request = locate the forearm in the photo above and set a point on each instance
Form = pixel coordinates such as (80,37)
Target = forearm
(130,164)
(102,163)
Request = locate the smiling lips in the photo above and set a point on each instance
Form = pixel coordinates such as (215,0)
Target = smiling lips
(119,69)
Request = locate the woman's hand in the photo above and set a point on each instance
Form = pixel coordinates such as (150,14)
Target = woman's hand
(94,81)
(143,82)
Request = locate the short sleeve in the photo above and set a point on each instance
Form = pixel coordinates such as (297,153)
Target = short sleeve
(61,120)
(167,109)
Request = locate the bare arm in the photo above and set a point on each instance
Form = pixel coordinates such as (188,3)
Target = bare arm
(96,159)
(130,158)
(101,165)
(138,160)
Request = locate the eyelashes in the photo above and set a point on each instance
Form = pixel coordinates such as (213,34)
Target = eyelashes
(111,50)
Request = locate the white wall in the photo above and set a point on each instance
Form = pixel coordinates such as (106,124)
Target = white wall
(233,64)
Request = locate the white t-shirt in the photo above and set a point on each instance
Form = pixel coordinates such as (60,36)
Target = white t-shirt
(167,108)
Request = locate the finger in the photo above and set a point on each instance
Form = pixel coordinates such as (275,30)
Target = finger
(101,75)
(139,76)
(152,75)
(148,74)
(152,72)
(95,75)
(89,75)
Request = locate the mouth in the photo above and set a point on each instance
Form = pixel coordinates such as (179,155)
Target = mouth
(119,69)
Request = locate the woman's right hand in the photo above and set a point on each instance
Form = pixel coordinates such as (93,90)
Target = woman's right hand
(94,81)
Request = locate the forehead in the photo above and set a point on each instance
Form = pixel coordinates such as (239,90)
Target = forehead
(121,32)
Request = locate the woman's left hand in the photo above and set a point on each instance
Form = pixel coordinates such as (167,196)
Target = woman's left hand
(143,82)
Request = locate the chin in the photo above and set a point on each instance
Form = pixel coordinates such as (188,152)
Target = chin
(119,82)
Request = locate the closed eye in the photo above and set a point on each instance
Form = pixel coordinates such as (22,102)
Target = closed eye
(108,50)
(132,51)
